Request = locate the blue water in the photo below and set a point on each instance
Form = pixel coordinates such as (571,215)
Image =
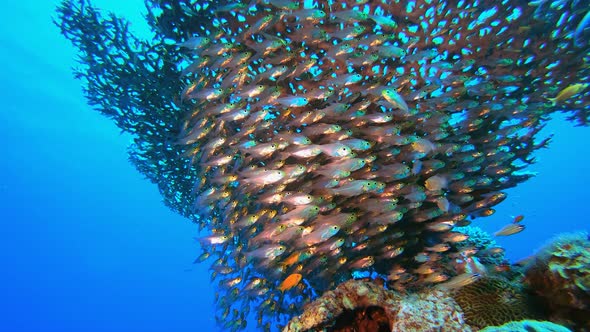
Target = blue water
(85,242)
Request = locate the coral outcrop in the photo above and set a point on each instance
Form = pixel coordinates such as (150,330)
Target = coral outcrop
(560,275)
(366,306)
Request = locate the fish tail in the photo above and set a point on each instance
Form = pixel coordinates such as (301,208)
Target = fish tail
(553,101)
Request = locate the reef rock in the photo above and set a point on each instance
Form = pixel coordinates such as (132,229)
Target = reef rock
(358,305)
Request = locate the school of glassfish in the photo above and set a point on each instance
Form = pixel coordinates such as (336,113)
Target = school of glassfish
(323,139)
(338,123)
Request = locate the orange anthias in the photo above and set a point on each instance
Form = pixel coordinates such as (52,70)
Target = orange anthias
(518,218)
(291,281)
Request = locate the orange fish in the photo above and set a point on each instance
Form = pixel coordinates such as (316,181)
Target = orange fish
(292,259)
(510,229)
(291,281)
(518,218)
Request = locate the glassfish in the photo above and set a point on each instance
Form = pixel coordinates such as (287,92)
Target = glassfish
(510,229)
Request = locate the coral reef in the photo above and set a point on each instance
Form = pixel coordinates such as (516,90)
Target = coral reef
(358,305)
(527,326)
(560,274)
(494,300)
(316,140)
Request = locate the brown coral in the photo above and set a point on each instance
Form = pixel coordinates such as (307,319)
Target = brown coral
(358,305)
(494,301)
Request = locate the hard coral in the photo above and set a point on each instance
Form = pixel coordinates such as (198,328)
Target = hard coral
(493,301)
(358,305)
(527,326)
(429,311)
(482,240)
(560,275)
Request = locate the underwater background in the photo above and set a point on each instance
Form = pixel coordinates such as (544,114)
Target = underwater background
(86,243)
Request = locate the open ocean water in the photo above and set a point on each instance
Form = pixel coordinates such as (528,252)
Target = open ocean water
(85,242)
